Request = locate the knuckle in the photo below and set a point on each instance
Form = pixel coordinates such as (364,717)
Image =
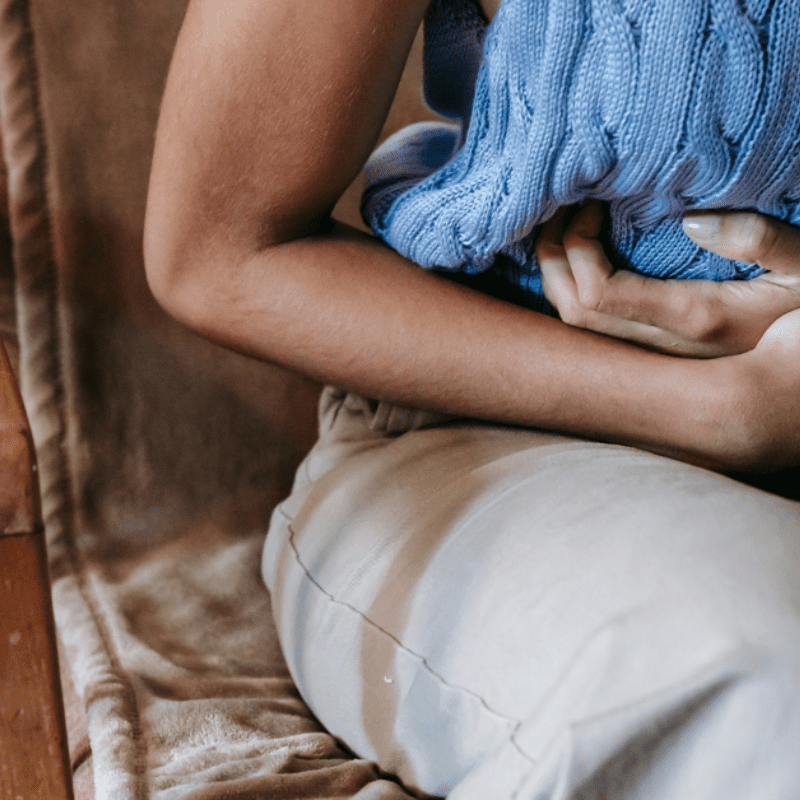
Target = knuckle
(573,313)
(572,238)
(759,236)
(591,294)
(705,323)
(546,249)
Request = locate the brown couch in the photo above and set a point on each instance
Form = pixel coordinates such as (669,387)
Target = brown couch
(160,456)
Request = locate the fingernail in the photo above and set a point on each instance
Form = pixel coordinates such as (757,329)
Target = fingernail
(702,226)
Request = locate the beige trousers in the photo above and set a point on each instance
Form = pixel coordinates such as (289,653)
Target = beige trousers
(492,613)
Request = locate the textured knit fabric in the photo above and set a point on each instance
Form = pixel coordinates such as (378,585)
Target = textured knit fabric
(656,106)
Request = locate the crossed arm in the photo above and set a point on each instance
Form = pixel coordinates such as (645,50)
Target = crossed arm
(270,111)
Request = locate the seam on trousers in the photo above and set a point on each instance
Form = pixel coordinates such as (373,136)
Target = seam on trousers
(403,647)
(307,470)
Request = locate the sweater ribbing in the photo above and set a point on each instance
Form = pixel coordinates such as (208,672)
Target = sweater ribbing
(655,106)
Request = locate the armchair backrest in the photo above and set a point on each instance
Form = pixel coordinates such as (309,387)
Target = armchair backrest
(141,427)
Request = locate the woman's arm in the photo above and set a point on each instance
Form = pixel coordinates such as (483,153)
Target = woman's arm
(270,110)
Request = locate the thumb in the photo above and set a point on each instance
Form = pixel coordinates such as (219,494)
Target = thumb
(746,236)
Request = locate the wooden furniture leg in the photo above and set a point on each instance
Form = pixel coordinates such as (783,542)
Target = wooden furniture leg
(34,760)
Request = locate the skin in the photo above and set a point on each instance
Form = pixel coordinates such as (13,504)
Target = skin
(703,319)
(490,7)
(270,110)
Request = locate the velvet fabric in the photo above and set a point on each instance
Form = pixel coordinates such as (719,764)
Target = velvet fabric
(161,455)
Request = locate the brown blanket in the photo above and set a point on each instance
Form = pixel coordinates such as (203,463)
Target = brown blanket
(161,456)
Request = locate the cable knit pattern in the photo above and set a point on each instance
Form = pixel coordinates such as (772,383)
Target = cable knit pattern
(656,106)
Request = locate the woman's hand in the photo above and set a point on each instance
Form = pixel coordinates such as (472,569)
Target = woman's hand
(696,318)
(759,426)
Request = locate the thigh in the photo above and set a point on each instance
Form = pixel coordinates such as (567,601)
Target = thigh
(495,612)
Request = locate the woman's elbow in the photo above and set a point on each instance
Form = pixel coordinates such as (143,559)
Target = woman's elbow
(199,253)
(162,268)
(178,270)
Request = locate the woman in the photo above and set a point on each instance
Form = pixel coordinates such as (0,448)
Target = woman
(487,610)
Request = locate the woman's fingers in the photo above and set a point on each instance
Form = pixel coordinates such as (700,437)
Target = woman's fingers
(744,236)
(669,305)
(558,281)
(581,283)
(591,268)
(574,266)
(575,277)
(697,318)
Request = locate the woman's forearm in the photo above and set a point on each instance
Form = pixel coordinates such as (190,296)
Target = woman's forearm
(269,112)
(345,309)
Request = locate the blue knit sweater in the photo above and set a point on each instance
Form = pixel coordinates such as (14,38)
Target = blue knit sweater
(656,106)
